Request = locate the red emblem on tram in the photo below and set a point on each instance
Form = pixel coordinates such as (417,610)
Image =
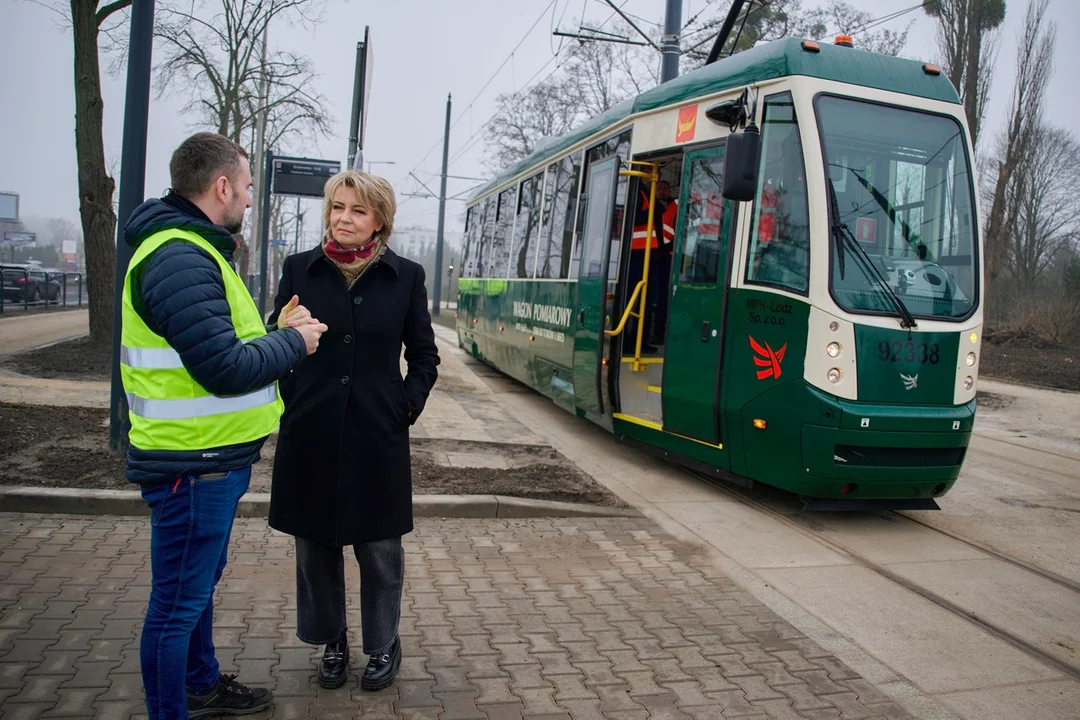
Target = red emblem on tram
(687,124)
(768,359)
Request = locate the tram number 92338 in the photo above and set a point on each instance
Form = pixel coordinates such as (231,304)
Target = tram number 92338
(908,352)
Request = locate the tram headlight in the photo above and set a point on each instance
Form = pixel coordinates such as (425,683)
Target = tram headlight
(971,359)
(834,375)
(969,382)
(833,349)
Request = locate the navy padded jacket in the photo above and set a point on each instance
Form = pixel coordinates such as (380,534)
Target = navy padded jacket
(179,293)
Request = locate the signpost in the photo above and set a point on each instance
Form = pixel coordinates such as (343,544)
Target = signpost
(294,177)
(302,177)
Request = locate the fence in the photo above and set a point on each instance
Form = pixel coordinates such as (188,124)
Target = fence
(29,288)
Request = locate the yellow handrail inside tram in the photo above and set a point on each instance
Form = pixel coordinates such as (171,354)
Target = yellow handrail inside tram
(652,174)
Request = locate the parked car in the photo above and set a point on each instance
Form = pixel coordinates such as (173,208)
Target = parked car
(30,283)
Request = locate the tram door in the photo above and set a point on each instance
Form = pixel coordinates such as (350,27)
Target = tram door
(691,389)
(591,285)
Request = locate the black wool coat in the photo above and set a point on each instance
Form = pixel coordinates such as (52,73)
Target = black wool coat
(342,472)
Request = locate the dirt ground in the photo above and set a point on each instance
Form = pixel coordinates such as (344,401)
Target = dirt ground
(70,360)
(1031,364)
(45,446)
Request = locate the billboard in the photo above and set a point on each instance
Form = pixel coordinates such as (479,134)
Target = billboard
(19,239)
(9,206)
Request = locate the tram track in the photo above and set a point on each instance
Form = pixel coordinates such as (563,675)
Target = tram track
(1032,649)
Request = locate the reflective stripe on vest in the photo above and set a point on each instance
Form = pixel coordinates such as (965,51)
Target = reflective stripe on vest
(201,406)
(150,358)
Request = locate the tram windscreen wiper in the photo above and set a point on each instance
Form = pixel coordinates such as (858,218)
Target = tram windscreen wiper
(841,235)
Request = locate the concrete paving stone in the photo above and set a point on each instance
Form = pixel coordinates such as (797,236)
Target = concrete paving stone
(58,662)
(460,706)
(13,674)
(539,701)
(483,666)
(493,691)
(641,683)
(662,707)
(92,675)
(290,683)
(75,703)
(26,711)
(415,694)
(124,687)
(41,688)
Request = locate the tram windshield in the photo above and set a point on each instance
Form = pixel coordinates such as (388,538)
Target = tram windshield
(903,188)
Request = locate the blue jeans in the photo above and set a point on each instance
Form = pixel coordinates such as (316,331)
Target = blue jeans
(190,524)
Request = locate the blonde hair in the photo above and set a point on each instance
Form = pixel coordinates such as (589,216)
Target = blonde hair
(373,191)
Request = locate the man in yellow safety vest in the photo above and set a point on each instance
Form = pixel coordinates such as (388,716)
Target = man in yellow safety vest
(200,373)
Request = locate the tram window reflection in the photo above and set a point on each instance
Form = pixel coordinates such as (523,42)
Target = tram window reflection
(780,237)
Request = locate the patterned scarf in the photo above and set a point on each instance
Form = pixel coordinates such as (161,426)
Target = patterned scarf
(353,262)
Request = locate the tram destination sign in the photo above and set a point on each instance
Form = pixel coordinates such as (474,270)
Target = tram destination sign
(302,177)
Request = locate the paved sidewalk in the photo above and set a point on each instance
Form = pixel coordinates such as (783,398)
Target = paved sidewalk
(555,618)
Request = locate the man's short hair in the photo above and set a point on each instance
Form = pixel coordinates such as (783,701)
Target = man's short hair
(200,160)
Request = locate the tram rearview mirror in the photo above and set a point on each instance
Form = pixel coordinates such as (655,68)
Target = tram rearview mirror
(741,164)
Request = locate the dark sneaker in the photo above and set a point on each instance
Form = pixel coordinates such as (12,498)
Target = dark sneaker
(334,668)
(229,698)
(381,669)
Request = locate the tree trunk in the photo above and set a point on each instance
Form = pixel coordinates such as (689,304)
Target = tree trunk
(971,77)
(95,185)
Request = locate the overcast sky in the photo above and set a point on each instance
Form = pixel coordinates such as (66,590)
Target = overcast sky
(424,49)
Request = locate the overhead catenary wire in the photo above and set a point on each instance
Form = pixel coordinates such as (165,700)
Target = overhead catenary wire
(485,86)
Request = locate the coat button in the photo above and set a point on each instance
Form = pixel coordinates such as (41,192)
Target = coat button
(347,339)
(344,379)
(357,300)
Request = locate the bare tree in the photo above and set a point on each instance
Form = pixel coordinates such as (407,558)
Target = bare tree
(840,17)
(967,40)
(1041,195)
(96,185)
(213,55)
(61,229)
(1034,66)
(548,109)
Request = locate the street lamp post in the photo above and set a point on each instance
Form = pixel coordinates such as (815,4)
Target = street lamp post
(449,279)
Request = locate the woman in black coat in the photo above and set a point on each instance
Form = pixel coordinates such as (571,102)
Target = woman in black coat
(342,473)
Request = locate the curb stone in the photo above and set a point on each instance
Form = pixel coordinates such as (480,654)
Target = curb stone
(73,501)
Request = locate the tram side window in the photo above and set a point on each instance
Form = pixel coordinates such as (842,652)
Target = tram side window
(472,241)
(526,229)
(485,228)
(780,236)
(618,145)
(560,208)
(498,257)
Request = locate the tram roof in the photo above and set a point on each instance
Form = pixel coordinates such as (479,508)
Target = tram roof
(769,61)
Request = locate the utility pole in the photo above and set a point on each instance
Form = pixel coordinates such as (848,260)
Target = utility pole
(260,149)
(132,189)
(669,69)
(437,281)
(669,44)
(264,236)
(299,219)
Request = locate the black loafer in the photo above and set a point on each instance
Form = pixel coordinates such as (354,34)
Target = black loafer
(334,668)
(381,669)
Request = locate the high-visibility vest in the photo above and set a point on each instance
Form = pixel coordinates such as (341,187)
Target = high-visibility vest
(168,408)
(665,220)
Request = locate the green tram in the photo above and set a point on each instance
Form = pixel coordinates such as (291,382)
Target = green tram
(820,301)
